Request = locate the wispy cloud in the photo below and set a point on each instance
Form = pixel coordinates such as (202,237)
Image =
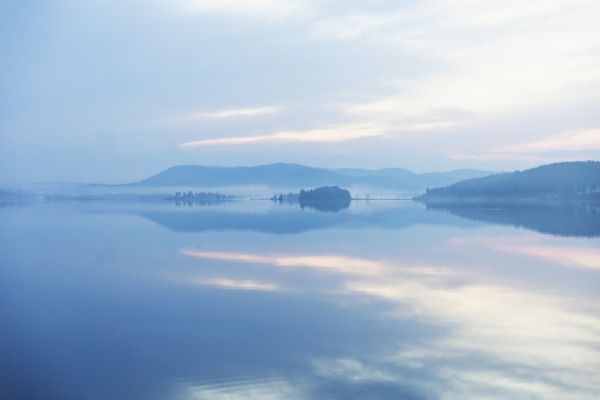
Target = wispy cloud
(236,112)
(246,388)
(201,116)
(528,158)
(588,139)
(484,61)
(234,284)
(224,114)
(524,56)
(330,134)
(269,9)
(536,151)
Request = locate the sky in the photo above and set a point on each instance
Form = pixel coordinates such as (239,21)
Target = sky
(113,91)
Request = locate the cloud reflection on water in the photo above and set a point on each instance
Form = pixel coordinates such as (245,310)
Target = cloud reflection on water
(566,256)
(526,341)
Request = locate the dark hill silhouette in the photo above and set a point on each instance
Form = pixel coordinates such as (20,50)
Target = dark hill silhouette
(282,174)
(560,181)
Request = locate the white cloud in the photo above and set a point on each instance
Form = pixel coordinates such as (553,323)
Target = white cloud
(199,117)
(495,58)
(588,139)
(236,112)
(351,370)
(327,134)
(269,9)
(502,157)
(535,151)
(234,284)
(222,114)
(489,61)
(330,134)
(243,389)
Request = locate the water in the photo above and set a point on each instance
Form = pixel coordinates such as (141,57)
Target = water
(256,300)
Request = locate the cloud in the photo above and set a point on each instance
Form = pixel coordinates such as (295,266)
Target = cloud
(492,59)
(233,284)
(535,151)
(237,112)
(220,114)
(247,388)
(196,117)
(351,370)
(588,139)
(327,134)
(475,63)
(502,157)
(331,134)
(269,9)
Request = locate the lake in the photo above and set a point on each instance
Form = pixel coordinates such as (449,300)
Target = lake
(259,300)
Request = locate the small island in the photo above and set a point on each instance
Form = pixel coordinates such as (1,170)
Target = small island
(324,198)
(199,198)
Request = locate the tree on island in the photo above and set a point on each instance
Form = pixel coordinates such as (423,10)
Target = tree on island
(191,198)
(325,198)
(325,194)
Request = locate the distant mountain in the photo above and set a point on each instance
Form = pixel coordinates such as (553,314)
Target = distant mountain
(271,174)
(560,181)
(282,174)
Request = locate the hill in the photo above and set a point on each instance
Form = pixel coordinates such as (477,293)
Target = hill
(560,181)
(296,175)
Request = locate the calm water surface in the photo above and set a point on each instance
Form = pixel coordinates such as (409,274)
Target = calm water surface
(255,300)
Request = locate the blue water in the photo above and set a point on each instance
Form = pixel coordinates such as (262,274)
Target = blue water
(257,300)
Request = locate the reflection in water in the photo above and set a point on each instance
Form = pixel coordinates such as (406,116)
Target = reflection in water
(334,263)
(332,206)
(524,343)
(385,303)
(570,219)
(576,220)
(567,256)
(291,219)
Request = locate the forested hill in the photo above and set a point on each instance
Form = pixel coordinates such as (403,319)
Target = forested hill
(560,181)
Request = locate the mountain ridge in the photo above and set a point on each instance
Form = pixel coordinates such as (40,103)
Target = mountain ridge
(290,174)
